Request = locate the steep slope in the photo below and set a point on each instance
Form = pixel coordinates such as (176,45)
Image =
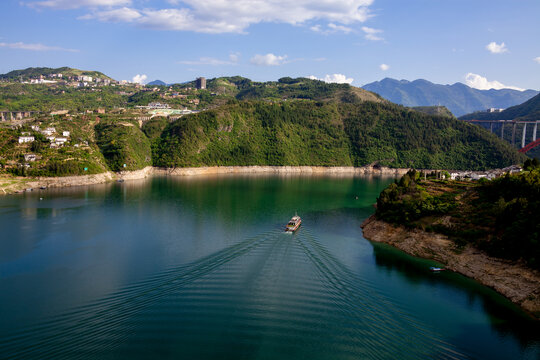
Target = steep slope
(460,99)
(529,110)
(305,132)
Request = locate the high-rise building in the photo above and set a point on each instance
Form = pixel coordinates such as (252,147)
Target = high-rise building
(201,83)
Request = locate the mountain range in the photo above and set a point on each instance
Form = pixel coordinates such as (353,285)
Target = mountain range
(459,98)
(528,111)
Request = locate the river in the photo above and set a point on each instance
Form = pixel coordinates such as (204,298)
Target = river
(200,268)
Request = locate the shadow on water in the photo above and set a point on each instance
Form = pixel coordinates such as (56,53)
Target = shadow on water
(505,317)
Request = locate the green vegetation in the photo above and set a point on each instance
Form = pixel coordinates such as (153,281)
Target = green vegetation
(529,110)
(33,73)
(289,122)
(303,88)
(499,216)
(435,110)
(256,133)
(73,158)
(123,143)
(318,133)
(46,98)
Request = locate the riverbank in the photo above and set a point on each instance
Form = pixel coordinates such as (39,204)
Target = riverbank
(518,283)
(12,184)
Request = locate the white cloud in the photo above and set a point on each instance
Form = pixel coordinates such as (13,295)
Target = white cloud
(495,48)
(268,60)
(117,15)
(481,83)
(233,60)
(34,47)
(234,16)
(331,28)
(537,59)
(372,34)
(234,57)
(75,4)
(384,67)
(334,78)
(139,79)
(340,28)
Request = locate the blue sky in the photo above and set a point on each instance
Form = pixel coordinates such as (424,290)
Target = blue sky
(484,43)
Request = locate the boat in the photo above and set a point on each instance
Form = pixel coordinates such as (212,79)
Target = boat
(293,224)
(436,269)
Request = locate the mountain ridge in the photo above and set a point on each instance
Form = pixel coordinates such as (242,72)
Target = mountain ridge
(459,98)
(33,72)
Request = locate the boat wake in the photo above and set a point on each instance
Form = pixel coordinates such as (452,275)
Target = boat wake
(269,296)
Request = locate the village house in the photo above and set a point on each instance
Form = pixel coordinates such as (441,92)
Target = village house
(65,133)
(25,139)
(29,157)
(49,131)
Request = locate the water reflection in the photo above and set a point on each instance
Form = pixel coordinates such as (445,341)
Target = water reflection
(199,268)
(504,317)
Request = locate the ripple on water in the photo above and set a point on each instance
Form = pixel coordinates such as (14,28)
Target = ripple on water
(270,296)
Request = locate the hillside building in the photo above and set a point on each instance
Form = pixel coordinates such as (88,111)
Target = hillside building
(201,83)
(25,139)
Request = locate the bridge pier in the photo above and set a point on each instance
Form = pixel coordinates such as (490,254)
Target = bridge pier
(491,127)
(534,130)
(523,136)
(514,134)
(502,131)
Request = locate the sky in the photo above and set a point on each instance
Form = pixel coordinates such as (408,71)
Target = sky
(482,43)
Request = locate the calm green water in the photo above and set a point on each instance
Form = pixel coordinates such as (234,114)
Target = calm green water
(199,268)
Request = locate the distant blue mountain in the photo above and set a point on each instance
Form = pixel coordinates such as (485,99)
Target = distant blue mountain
(459,98)
(157,83)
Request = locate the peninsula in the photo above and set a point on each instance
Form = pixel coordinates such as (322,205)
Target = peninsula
(486,230)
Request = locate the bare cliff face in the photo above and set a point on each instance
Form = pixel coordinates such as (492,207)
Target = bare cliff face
(513,280)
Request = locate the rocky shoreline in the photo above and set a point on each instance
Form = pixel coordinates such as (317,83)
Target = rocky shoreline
(519,284)
(17,184)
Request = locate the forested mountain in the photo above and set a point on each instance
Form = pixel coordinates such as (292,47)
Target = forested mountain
(36,72)
(459,98)
(327,134)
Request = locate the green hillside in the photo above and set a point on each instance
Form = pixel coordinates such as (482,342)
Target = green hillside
(529,110)
(328,134)
(122,142)
(499,216)
(35,72)
(435,110)
(36,97)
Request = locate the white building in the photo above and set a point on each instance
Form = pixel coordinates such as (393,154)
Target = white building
(29,157)
(49,131)
(25,139)
(65,133)
(84,78)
